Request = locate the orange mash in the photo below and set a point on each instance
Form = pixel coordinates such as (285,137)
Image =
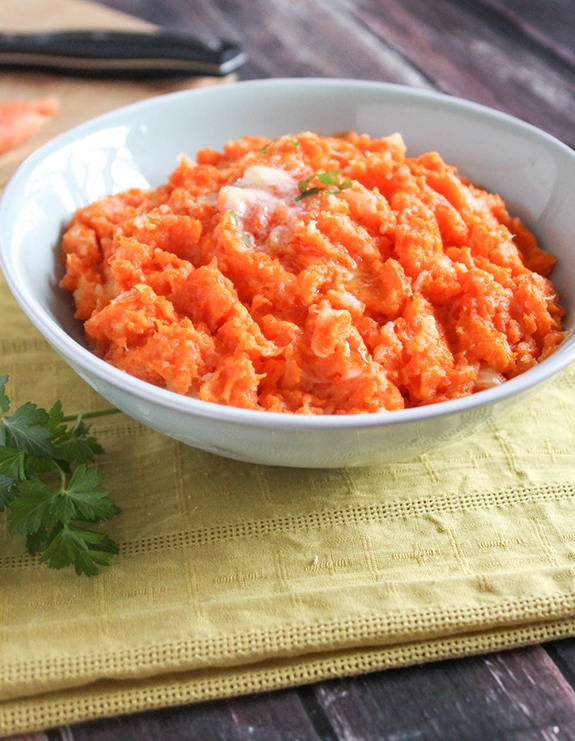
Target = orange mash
(314,275)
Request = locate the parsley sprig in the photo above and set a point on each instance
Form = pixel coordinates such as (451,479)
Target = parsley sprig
(48,488)
(329,178)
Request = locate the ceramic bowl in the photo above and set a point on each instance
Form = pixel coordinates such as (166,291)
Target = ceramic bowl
(139,145)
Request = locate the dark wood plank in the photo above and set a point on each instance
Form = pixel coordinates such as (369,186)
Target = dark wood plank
(550,24)
(464,54)
(563,732)
(286,39)
(487,697)
(267,717)
(563,654)
(450,45)
(272,717)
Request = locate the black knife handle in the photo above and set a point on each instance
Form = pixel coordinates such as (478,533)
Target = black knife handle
(113,53)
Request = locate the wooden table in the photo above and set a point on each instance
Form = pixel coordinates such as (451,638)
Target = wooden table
(514,55)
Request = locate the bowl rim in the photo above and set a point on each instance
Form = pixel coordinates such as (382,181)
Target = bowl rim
(91,364)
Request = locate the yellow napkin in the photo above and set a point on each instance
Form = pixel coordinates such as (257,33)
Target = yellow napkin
(235,578)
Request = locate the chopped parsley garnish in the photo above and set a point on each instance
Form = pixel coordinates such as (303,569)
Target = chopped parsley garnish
(266,147)
(309,192)
(303,185)
(245,237)
(48,488)
(332,177)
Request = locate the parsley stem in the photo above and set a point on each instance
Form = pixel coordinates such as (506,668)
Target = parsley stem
(62,478)
(92,415)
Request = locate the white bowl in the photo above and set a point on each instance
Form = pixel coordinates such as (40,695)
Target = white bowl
(139,145)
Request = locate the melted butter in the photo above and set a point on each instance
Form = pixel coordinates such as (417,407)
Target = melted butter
(240,200)
(272,179)
(262,187)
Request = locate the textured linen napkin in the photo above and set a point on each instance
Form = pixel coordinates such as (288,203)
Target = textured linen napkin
(235,578)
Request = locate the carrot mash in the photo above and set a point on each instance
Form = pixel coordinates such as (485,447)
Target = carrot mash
(314,275)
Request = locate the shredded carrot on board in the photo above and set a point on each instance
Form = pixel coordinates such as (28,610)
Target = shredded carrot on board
(21,120)
(313,275)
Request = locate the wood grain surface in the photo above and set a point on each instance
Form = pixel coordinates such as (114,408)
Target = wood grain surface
(517,56)
(517,61)
(80,99)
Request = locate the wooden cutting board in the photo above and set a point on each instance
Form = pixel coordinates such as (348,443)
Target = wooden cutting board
(80,99)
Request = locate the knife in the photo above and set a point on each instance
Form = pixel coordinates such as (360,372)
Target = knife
(119,53)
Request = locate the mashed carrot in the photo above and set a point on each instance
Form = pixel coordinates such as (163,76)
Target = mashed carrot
(312,275)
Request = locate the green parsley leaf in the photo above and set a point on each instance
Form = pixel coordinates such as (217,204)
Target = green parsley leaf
(234,216)
(12,462)
(303,185)
(32,508)
(90,498)
(37,466)
(76,445)
(310,192)
(56,420)
(40,506)
(69,545)
(4,400)
(7,491)
(36,448)
(332,177)
(27,429)
(294,141)
(35,541)
(147,216)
